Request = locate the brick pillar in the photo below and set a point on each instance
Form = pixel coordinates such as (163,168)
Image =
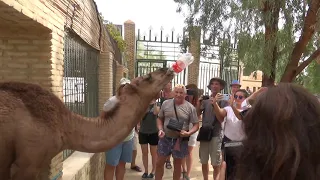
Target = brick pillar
(119,74)
(57,64)
(193,69)
(36,57)
(129,37)
(105,77)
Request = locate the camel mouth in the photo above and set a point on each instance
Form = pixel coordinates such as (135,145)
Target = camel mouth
(170,71)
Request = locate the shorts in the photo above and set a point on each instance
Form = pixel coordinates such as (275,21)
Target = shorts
(166,148)
(213,149)
(135,141)
(151,139)
(121,152)
(193,139)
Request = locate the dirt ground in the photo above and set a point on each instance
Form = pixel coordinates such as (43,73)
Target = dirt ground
(195,173)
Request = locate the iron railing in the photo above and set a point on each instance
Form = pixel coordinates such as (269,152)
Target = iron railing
(80,81)
(153,52)
(144,67)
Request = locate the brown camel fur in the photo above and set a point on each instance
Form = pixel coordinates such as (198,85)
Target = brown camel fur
(35,125)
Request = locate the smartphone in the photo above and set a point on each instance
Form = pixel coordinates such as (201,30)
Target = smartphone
(231,153)
(226,97)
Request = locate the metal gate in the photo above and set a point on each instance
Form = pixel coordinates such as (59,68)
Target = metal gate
(212,65)
(154,52)
(80,81)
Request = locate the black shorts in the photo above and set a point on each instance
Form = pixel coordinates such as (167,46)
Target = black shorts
(151,139)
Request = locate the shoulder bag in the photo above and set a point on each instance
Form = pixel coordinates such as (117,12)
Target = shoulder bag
(175,124)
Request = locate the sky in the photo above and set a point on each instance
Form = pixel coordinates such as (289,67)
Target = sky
(144,13)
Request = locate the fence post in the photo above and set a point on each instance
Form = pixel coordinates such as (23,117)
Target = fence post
(193,69)
(105,77)
(129,37)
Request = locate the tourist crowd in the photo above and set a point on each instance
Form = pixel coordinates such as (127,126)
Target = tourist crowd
(273,133)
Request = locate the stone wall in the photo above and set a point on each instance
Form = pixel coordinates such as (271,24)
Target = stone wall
(130,39)
(31,50)
(84,166)
(105,77)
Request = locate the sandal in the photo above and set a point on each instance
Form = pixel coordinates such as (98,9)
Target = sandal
(136,168)
(184,176)
(168,165)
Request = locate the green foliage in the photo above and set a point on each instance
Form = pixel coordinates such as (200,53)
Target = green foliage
(312,78)
(149,53)
(230,23)
(115,34)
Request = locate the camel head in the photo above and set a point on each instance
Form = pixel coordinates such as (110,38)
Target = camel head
(147,86)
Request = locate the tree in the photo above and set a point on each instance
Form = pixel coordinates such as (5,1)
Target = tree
(147,52)
(279,37)
(312,78)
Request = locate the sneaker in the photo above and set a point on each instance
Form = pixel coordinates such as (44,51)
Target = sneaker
(151,176)
(145,176)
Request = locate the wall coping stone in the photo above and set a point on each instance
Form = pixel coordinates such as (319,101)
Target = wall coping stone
(73,164)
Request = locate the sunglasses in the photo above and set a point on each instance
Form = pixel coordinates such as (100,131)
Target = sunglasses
(238,97)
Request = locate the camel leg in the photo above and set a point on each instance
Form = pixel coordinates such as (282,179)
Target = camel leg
(26,173)
(6,159)
(30,164)
(45,172)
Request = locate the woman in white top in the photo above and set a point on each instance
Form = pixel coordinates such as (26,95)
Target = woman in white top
(232,129)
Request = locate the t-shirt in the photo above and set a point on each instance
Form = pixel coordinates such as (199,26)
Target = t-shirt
(233,127)
(186,112)
(108,105)
(148,124)
(209,118)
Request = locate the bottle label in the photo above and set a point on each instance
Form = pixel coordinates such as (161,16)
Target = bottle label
(178,66)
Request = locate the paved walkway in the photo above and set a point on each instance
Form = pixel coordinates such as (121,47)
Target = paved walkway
(195,173)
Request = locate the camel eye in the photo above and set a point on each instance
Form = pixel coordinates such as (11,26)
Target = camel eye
(149,78)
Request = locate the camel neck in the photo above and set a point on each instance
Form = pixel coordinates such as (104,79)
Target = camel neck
(97,134)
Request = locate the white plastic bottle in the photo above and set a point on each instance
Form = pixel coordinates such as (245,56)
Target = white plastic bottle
(183,61)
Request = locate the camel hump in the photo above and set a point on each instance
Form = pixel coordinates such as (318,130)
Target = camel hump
(21,87)
(40,102)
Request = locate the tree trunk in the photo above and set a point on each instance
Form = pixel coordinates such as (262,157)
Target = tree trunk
(308,30)
(267,81)
(271,48)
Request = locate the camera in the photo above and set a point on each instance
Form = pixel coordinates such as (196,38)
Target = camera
(205,97)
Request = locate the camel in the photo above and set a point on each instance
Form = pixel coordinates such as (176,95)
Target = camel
(35,125)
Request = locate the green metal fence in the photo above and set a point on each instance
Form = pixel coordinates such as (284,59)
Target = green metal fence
(80,81)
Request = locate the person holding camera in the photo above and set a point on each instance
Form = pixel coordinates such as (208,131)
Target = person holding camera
(173,123)
(233,130)
(210,134)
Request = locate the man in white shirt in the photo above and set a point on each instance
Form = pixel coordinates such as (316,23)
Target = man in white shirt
(118,156)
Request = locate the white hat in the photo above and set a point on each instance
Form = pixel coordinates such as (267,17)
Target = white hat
(124,81)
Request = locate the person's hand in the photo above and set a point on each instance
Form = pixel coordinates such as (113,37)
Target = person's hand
(261,90)
(223,171)
(184,133)
(231,100)
(137,128)
(217,98)
(156,109)
(161,133)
